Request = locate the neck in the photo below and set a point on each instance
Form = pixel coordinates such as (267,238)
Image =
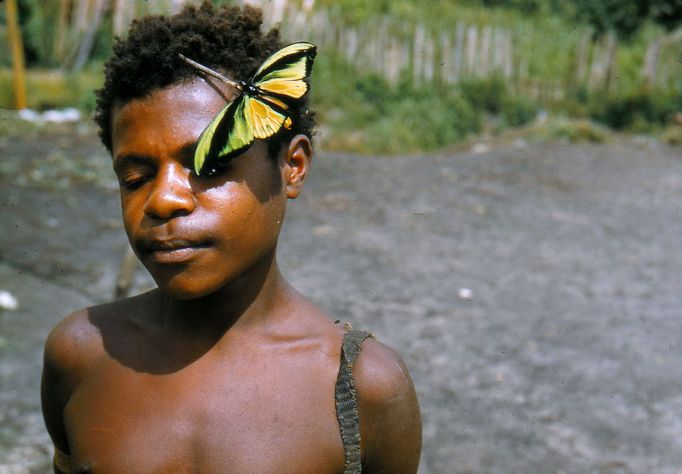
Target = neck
(251,298)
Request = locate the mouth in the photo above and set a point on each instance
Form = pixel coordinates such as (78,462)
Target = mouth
(173,250)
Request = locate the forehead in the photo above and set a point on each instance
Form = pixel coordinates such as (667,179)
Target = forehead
(175,115)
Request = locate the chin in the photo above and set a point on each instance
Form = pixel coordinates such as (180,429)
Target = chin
(183,288)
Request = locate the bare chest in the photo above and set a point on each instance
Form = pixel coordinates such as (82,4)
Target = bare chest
(223,420)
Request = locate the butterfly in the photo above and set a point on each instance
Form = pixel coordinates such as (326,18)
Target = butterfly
(260,110)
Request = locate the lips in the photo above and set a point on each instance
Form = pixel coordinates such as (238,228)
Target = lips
(175,250)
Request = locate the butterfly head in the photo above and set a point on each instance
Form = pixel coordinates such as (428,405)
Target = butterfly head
(249,89)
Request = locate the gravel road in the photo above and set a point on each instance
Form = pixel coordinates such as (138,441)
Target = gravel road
(534,290)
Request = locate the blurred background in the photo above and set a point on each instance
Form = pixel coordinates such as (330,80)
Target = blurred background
(437,71)
(495,195)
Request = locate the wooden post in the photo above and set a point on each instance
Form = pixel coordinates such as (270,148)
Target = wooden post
(458,53)
(650,65)
(18,68)
(582,57)
(508,67)
(611,64)
(418,53)
(483,60)
(429,53)
(445,58)
(92,23)
(472,46)
(60,42)
(395,60)
(603,62)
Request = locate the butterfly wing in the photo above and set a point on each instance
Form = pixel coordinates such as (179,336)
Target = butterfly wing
(229,133)
(286,72)
(266,117)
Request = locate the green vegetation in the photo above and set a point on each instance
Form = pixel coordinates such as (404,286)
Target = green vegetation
(569,130)
(360,111)
(645,110)
(365,114)
(54,89)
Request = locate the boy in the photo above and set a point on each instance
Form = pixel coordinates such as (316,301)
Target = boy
(224,367)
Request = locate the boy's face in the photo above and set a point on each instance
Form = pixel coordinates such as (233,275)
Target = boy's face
(194,235)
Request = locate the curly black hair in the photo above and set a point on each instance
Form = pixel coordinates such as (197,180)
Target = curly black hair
(227,39)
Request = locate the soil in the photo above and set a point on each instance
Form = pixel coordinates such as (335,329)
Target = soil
(534,290)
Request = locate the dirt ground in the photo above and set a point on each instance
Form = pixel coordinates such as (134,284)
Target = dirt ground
(534,290)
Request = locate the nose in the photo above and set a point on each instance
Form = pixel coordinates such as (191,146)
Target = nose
(171,195)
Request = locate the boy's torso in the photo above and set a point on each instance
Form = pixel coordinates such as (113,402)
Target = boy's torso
(249,406)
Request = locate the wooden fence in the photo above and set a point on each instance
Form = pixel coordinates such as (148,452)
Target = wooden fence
(396,50)
(465,51)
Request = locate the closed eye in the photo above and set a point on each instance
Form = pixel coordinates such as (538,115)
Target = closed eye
(134,176)
(134,182)
(134,170)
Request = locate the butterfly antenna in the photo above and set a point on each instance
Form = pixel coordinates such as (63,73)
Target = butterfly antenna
(210,72)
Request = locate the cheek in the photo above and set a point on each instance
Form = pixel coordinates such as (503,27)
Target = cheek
(130,212)
(238,212)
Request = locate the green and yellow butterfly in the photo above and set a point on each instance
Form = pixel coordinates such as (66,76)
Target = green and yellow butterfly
(260,110)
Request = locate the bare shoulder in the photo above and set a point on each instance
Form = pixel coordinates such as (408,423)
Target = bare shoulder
(72,349)
(390,422)
(70,346)
(69,351)
(75,344)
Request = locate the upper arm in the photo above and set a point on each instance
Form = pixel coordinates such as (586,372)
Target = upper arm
(63,364)
(390,423)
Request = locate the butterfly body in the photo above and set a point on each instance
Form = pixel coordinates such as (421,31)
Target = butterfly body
(250,89)
(261,109)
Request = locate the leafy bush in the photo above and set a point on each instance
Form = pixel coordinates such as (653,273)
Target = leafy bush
(644,110)
(492,95)
(485,94)
(426,122)
(517,111)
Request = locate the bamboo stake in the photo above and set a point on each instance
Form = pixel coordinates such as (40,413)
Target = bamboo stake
(18,68)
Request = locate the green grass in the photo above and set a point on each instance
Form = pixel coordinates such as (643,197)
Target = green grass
(54,89)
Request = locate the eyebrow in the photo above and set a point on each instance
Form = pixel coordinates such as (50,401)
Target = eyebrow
(126,159)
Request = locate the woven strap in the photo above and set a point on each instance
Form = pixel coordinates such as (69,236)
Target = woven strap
(347,403)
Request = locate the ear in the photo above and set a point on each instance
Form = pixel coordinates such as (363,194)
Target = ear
(297,162)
